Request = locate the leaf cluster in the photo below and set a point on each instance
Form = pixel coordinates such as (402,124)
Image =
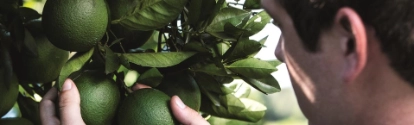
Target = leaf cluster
(207,38)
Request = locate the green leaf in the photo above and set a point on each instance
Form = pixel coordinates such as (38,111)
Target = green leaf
(263,41)
(266,85)
(235,108)
(197,11)
(208,83)
(243,90)
(252,4)
(227,15)
(222,47)
(29,45)
(124,61)
(6,68)
(151,77)
(17,33)
(166,59)
(243,49)
(29,109)
(74,64)
(152,14)
(252,68)
(257,23)
(211,69)
(112,61)
(197,46)
(234,31)
(212,98)
(152,43)
(274,63)
(28,14)
(223,35)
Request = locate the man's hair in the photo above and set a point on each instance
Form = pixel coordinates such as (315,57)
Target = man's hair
(393,21)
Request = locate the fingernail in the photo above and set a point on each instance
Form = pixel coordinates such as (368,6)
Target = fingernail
(67,85)
(180,103)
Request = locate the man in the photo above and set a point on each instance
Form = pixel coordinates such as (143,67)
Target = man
(350,61)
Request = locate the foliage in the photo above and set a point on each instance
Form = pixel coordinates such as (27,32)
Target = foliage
(207,38)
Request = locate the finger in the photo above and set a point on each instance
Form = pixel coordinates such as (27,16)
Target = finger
(69,104)
(185,115)
(47,108)
(139,86)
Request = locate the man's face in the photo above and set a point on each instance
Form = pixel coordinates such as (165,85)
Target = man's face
(315,76)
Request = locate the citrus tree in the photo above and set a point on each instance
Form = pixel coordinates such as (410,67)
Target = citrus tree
(190,48)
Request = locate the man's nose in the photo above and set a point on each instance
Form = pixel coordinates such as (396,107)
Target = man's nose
(278,51)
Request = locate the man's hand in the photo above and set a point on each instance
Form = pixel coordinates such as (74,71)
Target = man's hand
(69,106)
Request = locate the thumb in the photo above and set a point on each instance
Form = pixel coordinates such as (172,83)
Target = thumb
(185,115)
(69,104)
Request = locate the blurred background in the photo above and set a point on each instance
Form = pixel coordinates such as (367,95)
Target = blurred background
(282,107)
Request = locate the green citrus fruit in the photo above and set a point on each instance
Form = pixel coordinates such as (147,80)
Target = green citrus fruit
(132,38)
(47,65)
(184,86)
(15,121)
(145,107)
(8,93)
(75,25)
(99,97)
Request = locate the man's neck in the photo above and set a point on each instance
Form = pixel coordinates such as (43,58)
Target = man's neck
(386,100)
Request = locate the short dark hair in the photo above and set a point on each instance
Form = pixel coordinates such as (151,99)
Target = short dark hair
(393,21)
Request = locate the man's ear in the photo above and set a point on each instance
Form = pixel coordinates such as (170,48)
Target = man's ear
(355,45)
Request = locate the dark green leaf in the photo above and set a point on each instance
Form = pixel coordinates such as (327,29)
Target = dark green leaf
(257,23)
(29,45)
(28,14)
(197,11)
(74,64)
(212,98)
(158,59)
(262,42)
(240,109)
(252,68)
(274,63)
(151,77)
(227,15)
(210,84)
(29,109)
(267,85)
(124,61)
(17,33)
(252,4)
(234,31)
(197,46)
(211,69)
(152,14)
(223,35)
(243,49)
(6,69)
(215,10)
(112,62)
(224,79)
